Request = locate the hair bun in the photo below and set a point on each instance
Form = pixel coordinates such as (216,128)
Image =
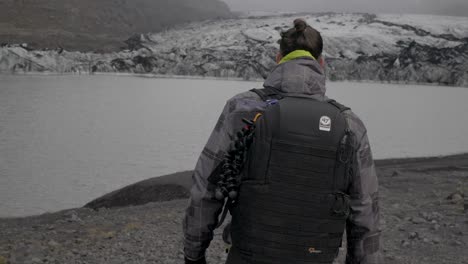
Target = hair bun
(300,25)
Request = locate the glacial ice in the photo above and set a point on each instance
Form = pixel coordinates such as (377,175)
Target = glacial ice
(390,48)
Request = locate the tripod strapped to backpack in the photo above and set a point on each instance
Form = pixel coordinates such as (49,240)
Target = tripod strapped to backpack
(233,164)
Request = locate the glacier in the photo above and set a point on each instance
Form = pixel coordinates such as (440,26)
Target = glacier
(363,47)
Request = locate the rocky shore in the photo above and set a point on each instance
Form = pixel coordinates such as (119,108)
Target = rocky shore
(423,207)
(384,48)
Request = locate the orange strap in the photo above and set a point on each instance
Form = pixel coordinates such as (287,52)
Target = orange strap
(257,117)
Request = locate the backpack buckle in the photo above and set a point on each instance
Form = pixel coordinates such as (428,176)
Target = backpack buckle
(272,101)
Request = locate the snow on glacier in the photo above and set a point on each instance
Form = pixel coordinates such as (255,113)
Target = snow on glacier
(341,32)
(457,26)
(345,36)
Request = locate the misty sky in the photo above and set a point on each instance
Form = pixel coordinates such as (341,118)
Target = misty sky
(440,7)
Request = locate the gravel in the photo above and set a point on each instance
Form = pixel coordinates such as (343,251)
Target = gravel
(423,228)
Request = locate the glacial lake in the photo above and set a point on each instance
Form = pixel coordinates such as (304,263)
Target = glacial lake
(65,140)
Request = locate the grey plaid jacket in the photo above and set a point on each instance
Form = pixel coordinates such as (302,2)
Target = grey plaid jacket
(300,77)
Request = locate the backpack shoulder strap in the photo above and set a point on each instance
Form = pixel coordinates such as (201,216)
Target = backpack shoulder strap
(340,107)
(267,93)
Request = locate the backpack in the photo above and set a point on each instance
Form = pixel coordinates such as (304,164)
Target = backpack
(292,201)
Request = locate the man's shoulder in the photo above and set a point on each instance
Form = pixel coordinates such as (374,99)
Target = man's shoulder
(355,124)
(247,95)
(247,101)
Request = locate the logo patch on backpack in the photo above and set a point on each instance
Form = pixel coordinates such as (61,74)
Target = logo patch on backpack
(325,123)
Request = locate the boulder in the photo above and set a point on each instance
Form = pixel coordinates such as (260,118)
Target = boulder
(158,189)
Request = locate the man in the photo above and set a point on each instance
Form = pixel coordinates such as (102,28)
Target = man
(304,180)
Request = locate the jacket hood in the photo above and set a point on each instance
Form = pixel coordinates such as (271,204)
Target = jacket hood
(303,77)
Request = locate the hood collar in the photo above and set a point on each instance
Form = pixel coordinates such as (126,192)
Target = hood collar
(296,54)
(299,76)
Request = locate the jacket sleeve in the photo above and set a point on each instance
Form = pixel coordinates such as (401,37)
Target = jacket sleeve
(203,211)
(362,227)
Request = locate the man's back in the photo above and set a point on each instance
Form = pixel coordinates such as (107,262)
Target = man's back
(298,75)
(363,234)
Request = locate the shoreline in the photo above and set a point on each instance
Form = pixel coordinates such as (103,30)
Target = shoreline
(213,78)
(180,181)
(414,160)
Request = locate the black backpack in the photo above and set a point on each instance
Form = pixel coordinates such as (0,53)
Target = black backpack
(292,202)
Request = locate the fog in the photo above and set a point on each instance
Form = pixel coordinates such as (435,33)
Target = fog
(447,7)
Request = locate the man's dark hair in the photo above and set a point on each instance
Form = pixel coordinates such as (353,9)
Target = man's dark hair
(301,37)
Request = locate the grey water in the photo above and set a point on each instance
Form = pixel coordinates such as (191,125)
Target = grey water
(65,140)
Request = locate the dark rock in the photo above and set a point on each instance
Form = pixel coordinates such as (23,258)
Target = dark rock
(425,216)
(148,63)
(456,243)
(417,220)
(135,42)
(52,243)
(109,235)
(435,216)
(121,65)
(36,260)
(158,189)
(405,244)
(435,227)
(456,197)
(74,218)
(413,235)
